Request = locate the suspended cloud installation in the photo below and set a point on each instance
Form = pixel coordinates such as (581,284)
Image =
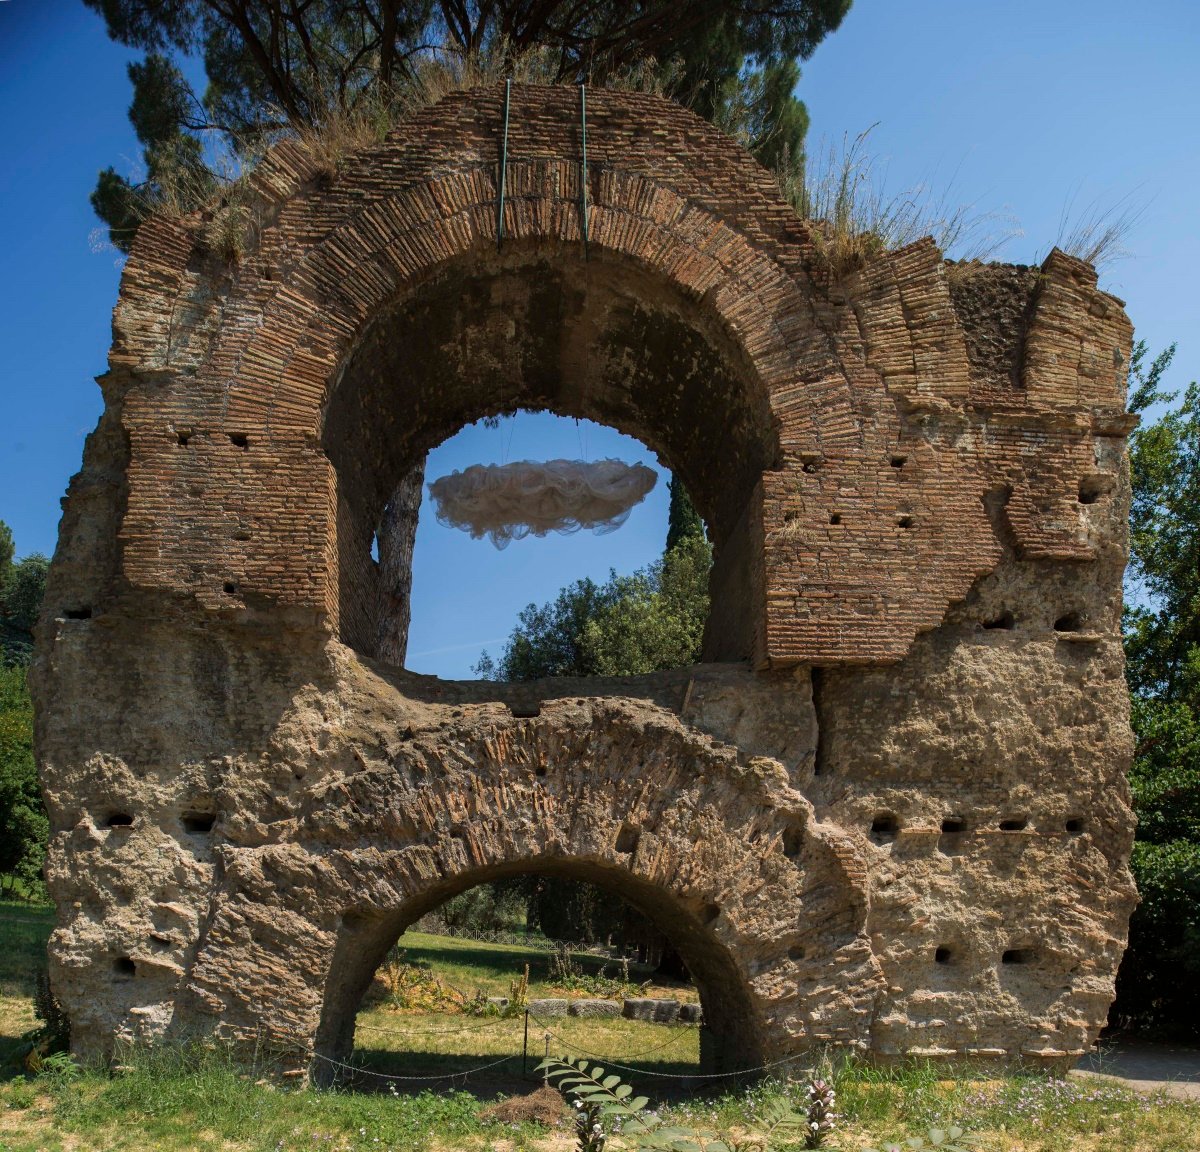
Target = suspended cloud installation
(508,502)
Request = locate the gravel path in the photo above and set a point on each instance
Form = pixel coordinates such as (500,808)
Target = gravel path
(1146,1067)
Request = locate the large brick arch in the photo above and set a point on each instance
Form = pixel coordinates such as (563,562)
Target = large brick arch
(257,356)
(902,760)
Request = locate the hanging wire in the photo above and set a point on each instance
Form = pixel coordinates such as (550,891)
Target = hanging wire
(583,181)
(503,168)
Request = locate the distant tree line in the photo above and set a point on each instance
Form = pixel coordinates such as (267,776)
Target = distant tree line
(24,828)
(1158,987)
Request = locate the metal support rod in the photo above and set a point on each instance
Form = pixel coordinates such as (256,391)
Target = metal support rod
(525,1047)
(583,181)
(546,1070)
(503,168)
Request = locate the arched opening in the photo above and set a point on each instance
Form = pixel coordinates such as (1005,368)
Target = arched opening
(600,339)
(467,595)
(730,1037)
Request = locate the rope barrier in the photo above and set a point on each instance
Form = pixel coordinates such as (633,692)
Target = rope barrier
(438,1031)
(670,1075)
(630,1056)
(425,1079)
(390,1077)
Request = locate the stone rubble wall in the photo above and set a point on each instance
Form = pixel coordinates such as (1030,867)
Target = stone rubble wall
(889,813)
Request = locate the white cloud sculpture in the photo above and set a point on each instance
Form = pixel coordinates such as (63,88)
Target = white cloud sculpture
(508,502)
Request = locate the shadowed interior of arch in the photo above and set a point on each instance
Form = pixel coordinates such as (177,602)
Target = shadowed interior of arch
(527,329)
(729,1038)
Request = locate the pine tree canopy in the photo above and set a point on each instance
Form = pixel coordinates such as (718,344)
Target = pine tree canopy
(274,66)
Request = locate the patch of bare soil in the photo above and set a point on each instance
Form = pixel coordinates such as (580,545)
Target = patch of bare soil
(545,1106)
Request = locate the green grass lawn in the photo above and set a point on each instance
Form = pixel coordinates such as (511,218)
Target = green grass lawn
(469,965)
(179,1101)
(24,929)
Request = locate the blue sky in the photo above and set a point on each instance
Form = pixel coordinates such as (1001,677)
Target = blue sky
(1029,107)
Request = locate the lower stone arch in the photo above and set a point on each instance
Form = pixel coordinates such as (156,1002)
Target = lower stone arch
(733,1038)
(429,793)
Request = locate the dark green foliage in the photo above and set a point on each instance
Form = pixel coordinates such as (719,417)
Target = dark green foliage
(275,67)
(24,933)
(654,619)
(1159,983)
(645,622)
(683,521)
(165,116)
(23,825)
(1163,629)
(24,585)
(495,907)
(578,913)
(548,640)
(24,828)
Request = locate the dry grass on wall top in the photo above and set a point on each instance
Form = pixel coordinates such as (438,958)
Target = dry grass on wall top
(840,188)
(228,216)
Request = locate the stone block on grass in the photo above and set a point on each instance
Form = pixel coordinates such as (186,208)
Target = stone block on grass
(547,1009)
(595,1009)
(658,1011)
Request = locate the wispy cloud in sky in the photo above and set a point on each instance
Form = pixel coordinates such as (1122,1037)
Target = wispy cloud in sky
(457,647)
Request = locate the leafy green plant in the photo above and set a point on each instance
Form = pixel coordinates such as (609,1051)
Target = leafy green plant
(58,1066)
(414,986)
(604,1101)
(563,966)
(599,983)
(951,1139)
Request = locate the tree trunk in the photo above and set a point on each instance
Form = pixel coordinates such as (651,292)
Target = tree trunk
(397,534)
(670,964)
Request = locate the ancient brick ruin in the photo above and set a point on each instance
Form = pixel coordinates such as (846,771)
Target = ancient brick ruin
(888,813)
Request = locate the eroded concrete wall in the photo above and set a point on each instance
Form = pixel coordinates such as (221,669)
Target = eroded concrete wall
(895,819)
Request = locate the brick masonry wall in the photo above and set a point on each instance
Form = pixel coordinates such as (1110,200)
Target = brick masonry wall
(854,375)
